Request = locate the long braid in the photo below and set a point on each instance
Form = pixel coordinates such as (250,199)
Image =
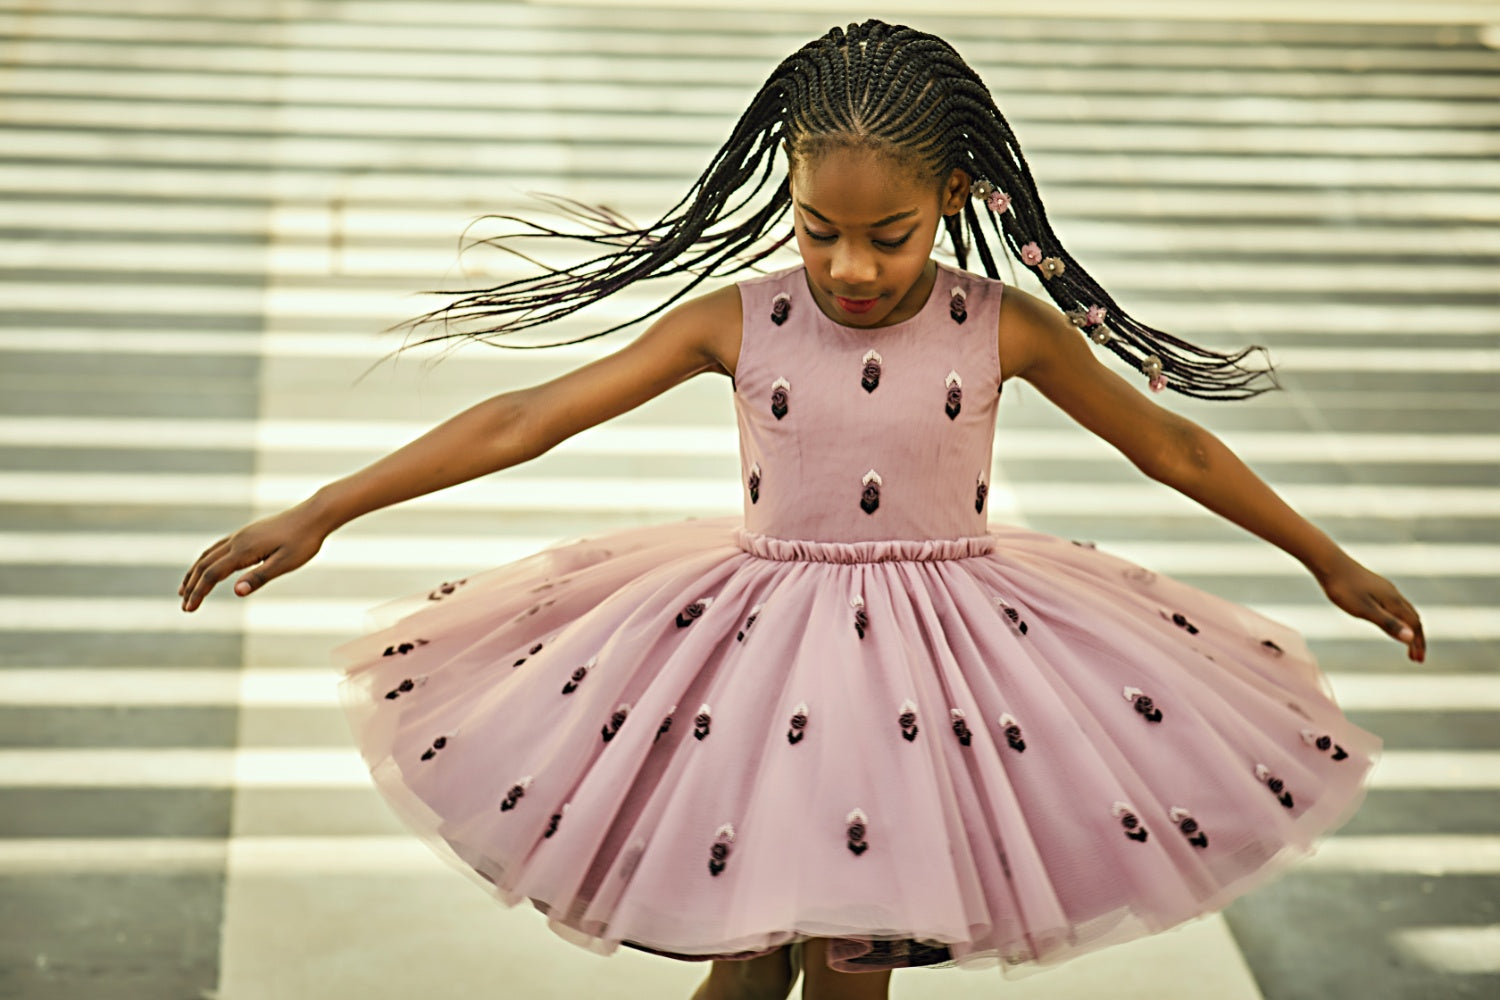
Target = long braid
(888,87)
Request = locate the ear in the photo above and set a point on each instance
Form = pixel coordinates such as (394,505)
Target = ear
(954,192)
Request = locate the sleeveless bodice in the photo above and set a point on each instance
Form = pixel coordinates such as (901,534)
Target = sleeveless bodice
(852,435)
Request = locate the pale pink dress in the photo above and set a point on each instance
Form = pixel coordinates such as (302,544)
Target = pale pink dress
(861,711)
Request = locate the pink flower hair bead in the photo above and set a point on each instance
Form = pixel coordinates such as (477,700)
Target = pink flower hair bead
(1031,254)
(1158,383)
(998,202)
(1095,315)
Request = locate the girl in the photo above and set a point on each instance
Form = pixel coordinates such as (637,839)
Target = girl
(861,728)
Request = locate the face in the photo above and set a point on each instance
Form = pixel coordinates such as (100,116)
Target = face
(866,225)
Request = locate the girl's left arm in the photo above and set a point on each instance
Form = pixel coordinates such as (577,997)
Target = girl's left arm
(1048,352)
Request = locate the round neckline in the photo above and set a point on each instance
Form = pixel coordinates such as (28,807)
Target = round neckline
(921,313)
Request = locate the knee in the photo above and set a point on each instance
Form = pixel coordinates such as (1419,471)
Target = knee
(768,977)
(823,983)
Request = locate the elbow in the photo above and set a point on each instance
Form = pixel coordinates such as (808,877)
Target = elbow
(1184,452)
(517,433)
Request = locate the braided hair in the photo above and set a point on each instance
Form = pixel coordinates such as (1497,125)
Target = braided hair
(883,86)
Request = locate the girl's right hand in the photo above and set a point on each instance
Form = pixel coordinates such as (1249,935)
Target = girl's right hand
(278,544)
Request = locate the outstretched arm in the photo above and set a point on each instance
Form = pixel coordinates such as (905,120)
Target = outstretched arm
(1049,353)
(699,335)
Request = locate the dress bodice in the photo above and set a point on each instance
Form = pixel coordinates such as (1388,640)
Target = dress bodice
(854,435)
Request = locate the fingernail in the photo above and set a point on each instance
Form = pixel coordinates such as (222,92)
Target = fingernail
(1406,632)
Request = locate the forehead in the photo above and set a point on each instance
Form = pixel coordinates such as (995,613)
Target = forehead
(858,187)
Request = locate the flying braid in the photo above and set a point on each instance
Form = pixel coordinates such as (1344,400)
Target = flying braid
(888,87)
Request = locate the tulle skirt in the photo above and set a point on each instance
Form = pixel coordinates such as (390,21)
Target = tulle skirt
(1005,750)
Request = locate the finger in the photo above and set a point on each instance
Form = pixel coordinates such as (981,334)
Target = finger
(1389,622)
(212,574)
(209,555)
(257,578)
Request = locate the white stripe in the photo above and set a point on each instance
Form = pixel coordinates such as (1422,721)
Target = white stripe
(224,611)
(1323,12)
(278,688)
(317,767)
(315,856)
(383,225)
(672,439)
(1436,207)
(716,497)
(350,134)
(408,265)
(447,553)
(1289,359)
(432,12)
(1463,950)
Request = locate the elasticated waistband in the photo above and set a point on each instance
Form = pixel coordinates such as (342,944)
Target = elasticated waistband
(881,550)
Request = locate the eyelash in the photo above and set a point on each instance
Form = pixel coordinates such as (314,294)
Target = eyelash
(888,244)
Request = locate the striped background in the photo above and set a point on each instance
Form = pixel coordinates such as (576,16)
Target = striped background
(207,212)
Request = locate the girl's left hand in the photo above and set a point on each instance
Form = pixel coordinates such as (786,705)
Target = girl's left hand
(1366,594)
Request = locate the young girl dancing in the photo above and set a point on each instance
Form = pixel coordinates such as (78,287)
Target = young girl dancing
(859,728)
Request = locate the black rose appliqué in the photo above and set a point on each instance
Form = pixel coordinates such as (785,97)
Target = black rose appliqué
(954,400)
(780,395)
(869,375)
(869,497)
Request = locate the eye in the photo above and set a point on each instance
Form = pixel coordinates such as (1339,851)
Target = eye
(893,244)
(820,237)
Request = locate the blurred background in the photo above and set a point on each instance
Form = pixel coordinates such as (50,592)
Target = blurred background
(210,211)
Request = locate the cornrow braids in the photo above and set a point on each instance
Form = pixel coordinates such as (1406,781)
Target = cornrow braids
(887,87)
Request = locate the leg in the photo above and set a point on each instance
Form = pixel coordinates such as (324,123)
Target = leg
(769,977)
(823,983)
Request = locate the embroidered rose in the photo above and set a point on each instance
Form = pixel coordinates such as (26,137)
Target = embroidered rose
(754,613)
(666,724)
(400,689)
(981,490)
(702,721)
(718,854)
(855,831)
(616,720)
(1031,254)
(781,306)
(869,376)
(1012,731)
(578,676)
(1130,822)
(955,398)
(958,305)
(961,727)
(861,619)
(693,612)
(869,498)
(437,745)
(798,724)
(516,791)
(908,720)
(1143,704)
(780,391)
(754,482)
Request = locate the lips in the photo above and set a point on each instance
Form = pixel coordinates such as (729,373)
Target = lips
(855,306)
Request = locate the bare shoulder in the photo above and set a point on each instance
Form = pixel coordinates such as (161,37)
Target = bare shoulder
(701,334)
(1040,345)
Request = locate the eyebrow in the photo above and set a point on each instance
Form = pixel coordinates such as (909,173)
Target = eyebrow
(875,225)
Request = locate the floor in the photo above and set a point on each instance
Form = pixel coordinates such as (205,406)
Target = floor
(208,213)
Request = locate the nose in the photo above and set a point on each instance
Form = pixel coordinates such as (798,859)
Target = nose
(852,266)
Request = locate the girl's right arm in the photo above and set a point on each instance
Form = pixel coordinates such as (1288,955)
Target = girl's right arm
(700,335)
